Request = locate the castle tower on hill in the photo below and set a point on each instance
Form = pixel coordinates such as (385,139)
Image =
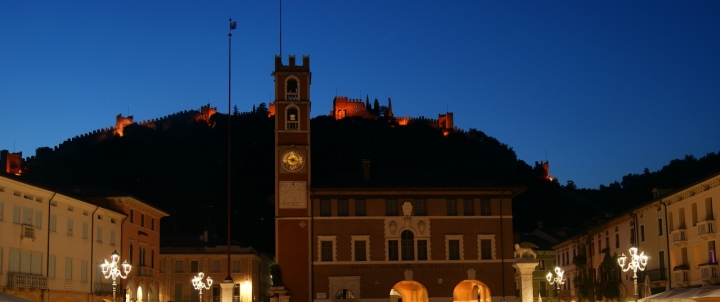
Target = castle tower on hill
(345,107)
(544,168)
(121,122)
(11,162)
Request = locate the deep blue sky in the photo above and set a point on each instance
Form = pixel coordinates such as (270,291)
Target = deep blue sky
(600,88)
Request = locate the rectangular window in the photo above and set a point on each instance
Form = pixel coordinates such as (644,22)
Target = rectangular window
(216,266)
(142,220)
(69,227)
(360,207)
(38,219)
(454,250)
(152,224)
(178,266)
(325,209)
(112,237)
(132,216)
(83,271)
(27,216)
(51,267)
(599,246)
(326,250)
(342,207)
(642,233)
(391,207)
(485,249)
(25,260)
(607,243)
(99,234)
(393,250)
(16,214)
(85,230)
(193,266)
(541,265)
(53,223)
(617,241)
(694,214)
(708,209)
(451,207)
(236,266)
(422,249)
(468,207)
(710,248)
(178,292)
(420,207)
(68,269)
(485,207)
(360,251)
(14,261)
(660,227)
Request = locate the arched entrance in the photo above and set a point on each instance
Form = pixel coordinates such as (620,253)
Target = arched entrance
(408,291)
(471,291)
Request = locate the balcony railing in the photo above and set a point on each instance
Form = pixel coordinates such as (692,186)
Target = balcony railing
(708,272)
(27,281)
(706,228)
(103,288)
(28,231)
(678,237)
(145,271)
(655,275)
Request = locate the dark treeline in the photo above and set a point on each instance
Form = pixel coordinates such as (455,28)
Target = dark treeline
(183,170)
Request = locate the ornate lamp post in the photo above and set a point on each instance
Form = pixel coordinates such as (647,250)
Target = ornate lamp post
(558,280)
(200,285)
(110,270)
(637,262)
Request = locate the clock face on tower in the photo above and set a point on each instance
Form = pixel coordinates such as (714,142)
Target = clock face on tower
(292,160)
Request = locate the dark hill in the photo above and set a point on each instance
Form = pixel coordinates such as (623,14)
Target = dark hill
(183,170)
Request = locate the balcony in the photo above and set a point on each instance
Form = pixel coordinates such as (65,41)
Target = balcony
(680,275)
(679,238)
(145,271)
(27,281)
(658,277)
(103,288)
(708,273)
(706,229)
(28,232)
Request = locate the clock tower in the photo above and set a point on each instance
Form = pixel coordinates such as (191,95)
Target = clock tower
(293,223)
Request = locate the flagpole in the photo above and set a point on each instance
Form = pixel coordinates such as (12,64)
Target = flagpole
(232,26)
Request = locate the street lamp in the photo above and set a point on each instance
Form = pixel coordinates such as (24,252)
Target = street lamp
(637,262)
(110,270)
(558,280)
(199,285)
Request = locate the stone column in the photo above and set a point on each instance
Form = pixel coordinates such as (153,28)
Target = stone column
(227,291)
(526,267)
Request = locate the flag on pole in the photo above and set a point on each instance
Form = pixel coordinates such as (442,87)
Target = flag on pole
(233,25)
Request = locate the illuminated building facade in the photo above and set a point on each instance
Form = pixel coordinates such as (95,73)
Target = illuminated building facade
(52,244)
(379,235)
(250,271)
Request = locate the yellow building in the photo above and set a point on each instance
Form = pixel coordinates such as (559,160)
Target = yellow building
(52,244)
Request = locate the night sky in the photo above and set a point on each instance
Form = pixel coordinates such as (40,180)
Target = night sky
(599,88)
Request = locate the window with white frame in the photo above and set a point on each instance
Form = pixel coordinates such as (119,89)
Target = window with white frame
(68,268)
(85,231)
(38,219)
(112,237)
(83,270)
(27,215)
(360,247)
(51,266)
(454,247)
(16,214)
(99,234)
(486,246)
(327,248)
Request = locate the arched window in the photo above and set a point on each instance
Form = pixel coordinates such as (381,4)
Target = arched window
(292,118)
(292,90)
(407,245)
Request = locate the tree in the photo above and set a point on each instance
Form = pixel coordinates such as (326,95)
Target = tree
(367,103)
(376,108)
(235,111)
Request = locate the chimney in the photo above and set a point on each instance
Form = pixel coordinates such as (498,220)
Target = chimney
(366,169)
